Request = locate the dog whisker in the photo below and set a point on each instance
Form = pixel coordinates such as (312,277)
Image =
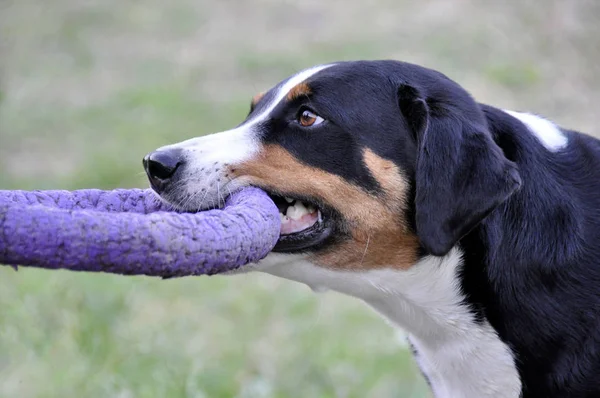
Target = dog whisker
(366,248)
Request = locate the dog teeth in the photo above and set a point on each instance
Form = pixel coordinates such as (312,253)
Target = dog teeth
(298,217)
(289,200)
(296,211)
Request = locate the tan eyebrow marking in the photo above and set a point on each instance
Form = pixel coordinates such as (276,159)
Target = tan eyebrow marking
(257,98)
(298,91)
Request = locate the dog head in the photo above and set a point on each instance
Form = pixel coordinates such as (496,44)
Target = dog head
(371,164)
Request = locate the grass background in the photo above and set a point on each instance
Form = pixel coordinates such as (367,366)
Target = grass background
(87,87)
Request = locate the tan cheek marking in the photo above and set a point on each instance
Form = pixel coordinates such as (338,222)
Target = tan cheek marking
(298,91)
(256,99)
(379,235)
(389,177)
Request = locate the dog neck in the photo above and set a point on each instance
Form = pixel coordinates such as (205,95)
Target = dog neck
(460,356)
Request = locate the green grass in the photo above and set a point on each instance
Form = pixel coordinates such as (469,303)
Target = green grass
(65,334)
(89,87)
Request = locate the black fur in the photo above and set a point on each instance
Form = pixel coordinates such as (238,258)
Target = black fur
(532,266)
(461,174)
(527,219)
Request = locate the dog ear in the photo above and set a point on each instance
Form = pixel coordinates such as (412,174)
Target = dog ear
(461,175)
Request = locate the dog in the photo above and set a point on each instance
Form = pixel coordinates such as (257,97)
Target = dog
(474,229)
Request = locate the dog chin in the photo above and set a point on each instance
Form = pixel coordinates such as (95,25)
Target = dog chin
(267,265)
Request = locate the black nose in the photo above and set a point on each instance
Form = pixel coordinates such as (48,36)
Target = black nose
(161,167)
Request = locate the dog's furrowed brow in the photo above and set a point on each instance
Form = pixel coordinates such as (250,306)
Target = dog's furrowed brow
(300,90)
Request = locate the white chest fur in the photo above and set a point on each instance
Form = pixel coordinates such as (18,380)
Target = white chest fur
(460,357)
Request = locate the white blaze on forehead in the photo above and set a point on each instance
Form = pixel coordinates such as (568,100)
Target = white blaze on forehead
(546,132)
(283,92)
(237,145)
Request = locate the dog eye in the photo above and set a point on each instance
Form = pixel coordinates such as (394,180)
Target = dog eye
(308,119)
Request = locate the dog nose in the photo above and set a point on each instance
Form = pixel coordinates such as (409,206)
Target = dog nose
(161,167)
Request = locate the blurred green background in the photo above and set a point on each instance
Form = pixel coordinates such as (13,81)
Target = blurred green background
(87,87)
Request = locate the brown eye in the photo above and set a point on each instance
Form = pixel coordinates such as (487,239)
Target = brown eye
(308,118)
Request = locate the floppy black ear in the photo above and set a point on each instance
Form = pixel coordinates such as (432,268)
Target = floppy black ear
(461,174)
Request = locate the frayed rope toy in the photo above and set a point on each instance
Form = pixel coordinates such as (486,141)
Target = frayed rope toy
(130,232)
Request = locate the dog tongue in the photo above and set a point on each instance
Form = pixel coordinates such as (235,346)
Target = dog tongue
(289,226)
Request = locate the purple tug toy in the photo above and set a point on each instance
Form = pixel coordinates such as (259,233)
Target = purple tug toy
(130,232)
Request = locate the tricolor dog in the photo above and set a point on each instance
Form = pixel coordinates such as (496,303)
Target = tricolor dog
(475,229)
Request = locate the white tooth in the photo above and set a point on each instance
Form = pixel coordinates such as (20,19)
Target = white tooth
(292,212)
(320,216)
(297,211)
(281,217)
(289,200)
(301,207)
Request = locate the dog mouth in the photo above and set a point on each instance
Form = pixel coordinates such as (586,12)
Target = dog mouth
(304,224)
